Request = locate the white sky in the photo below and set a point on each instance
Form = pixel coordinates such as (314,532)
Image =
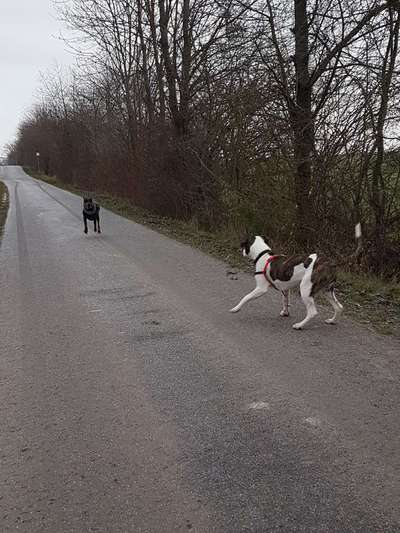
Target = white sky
(29,45)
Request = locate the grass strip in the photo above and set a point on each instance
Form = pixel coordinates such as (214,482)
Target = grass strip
(4,203)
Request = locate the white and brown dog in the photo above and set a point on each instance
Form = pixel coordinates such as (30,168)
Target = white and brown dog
(311,274)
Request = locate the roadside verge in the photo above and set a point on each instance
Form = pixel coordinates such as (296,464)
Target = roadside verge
(4,202)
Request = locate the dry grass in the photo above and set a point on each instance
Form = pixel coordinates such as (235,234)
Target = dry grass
(3,206)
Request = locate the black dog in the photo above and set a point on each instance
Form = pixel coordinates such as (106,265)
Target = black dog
(91,211)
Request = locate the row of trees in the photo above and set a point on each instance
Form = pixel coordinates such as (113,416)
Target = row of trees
(262,114)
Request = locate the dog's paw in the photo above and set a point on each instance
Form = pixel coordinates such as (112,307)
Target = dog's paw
(234,310)
(297,326)
(98,231)
(284,313)
(85,230)
(331,321)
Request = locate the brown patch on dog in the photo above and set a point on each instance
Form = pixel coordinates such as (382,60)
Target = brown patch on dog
(323,275)
(282,267)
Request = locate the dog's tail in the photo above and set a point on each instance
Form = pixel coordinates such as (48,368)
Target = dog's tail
(358,251)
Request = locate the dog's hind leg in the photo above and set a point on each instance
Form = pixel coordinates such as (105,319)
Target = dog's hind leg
(261,288)
(305,291)
(285,303)
(337,306)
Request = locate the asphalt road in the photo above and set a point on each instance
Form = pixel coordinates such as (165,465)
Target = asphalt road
(131,400)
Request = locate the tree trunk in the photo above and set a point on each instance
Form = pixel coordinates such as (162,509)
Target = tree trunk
(150,6)
(303,128)
(186,64)
(378,192)
(169,64)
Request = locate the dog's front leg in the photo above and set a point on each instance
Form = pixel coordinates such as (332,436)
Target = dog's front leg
(85,223)
(98,225)
(256,293)
(285,303)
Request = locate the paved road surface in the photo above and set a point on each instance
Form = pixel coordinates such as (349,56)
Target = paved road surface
(132,401)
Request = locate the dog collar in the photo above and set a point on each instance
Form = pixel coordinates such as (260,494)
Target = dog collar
(261,254)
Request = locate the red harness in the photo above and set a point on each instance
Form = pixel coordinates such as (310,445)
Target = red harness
(269,261)
(264,271)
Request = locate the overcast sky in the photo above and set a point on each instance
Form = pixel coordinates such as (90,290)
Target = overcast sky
(29,44)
